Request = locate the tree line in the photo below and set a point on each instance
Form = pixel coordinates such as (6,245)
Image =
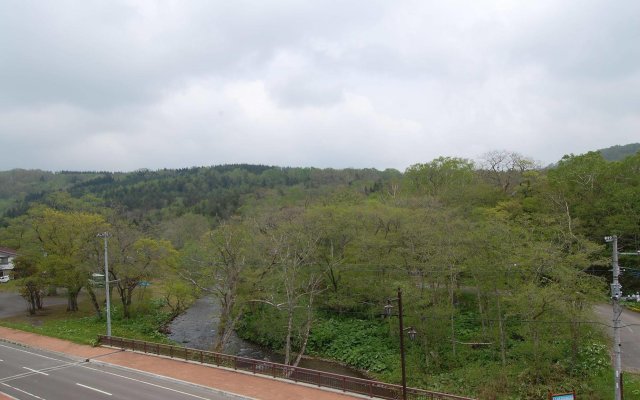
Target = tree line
(497,259)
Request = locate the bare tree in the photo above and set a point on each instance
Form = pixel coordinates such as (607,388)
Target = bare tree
(291,245)
(505,168)
(216,267)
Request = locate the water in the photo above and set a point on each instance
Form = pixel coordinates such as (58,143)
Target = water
(196,328)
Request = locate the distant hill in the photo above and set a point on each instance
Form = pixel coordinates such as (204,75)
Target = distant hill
(617,153)
(216,191)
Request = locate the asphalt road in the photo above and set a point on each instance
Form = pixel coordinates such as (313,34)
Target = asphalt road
(629,335)
(27,373)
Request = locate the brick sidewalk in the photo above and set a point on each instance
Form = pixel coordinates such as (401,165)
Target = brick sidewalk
(251,386)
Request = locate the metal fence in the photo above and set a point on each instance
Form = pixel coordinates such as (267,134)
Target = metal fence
(319,378)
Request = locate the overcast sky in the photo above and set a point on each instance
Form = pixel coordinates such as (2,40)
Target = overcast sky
(122,85)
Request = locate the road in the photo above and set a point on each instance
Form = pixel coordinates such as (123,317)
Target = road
(629,335)
(27,373)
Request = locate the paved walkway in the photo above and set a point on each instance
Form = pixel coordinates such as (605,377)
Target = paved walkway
(629,335)
(249,386)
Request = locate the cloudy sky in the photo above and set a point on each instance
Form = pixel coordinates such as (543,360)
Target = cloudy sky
(128,84)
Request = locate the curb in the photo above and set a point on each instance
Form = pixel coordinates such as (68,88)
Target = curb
(92,360)
(223,393)
(282,380)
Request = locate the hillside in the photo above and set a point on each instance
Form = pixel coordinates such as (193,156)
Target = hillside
(618,153)
(492,263)
(215,192)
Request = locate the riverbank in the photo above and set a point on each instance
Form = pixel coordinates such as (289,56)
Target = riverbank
(196,328)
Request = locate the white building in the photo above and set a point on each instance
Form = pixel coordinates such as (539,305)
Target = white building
(6,263)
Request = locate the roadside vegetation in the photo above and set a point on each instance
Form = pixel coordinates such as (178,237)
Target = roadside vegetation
(499,262)
(146,323)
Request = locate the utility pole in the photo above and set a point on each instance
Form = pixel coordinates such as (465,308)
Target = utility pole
(616,294)
(410,331)
(106,236)
(401,323)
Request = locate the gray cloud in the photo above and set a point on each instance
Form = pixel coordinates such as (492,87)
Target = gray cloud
(128,84)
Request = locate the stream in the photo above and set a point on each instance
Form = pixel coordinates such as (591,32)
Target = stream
(196,328)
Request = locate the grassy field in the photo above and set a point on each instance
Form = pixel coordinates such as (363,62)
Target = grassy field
(84,326)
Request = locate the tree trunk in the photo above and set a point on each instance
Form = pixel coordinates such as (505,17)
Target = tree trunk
(452,280)
(481,312)
(32,303)
(72,299)
(226,324)
(94,301)
(123,300)
(38,298)
(305,340)
(287,346)
(503,345)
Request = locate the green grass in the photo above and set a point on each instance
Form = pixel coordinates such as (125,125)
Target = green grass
(84,327)
(633,307)
(11,286)
(631,385)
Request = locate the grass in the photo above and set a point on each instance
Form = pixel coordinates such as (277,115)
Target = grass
(11,286)
(84,326)
(631,385)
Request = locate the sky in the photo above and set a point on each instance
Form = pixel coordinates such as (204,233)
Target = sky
(120,85)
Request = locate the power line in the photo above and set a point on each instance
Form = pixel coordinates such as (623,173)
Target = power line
(477,319)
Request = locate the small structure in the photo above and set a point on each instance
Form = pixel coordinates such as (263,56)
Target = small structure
(562,396)
(6,263)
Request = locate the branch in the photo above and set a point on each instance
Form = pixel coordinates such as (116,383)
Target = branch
(194,283)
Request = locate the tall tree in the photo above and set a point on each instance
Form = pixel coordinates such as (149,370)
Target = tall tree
(135,258)
(505,169)
(290,242)
(64,246)
(217,266)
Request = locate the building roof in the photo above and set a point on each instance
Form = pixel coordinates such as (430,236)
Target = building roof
(8,251)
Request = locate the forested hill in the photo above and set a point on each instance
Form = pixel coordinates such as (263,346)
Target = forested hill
(497,259)
(215,191)
(617,153)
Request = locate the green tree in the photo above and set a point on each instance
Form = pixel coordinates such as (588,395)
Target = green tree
(64,242)
(441,176)
(135,258)
(290,242)
(217,265)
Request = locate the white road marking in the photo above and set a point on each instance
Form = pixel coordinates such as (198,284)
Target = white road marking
(22,391)
(30,352)
(92,388)
(147,383)
(97,370)
(629,328)
(36,371)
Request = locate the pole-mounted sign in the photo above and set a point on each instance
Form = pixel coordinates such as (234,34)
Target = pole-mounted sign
(562,396)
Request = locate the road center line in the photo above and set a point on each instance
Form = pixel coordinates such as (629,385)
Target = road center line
(36,371)
(92,388)
(22,391)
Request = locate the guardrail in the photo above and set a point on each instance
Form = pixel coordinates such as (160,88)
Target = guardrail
(365,387)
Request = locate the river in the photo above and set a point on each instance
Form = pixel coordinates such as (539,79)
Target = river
(196,328)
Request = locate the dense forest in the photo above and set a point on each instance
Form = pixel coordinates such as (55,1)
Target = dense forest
(499,260)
